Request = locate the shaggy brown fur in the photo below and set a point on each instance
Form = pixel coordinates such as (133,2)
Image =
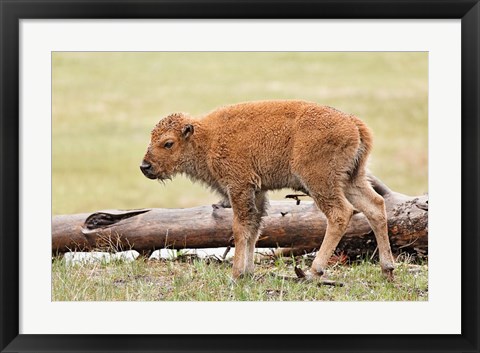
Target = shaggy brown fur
(243,150)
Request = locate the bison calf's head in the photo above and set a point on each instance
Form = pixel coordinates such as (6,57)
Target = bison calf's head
(168,144)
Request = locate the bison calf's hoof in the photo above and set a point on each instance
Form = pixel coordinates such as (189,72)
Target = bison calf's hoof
(309,275)
(388,273)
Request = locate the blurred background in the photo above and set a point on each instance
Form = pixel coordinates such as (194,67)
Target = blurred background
(104,106)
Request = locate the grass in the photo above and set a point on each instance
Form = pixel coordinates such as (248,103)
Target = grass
(206,280)
(105,104)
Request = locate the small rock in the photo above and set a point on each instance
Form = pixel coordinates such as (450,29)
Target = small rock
(163,254)
(126,256)
(78,258)
(74,258)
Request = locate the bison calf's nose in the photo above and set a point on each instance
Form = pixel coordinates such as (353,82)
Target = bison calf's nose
(145,168)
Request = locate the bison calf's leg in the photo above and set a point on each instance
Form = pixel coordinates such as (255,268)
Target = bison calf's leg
(261,205)
(366,200)
(338,212)
(240,235)
(250,254)
(245,235)
(246,225)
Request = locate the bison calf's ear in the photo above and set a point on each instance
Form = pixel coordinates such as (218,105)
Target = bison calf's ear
(187,130)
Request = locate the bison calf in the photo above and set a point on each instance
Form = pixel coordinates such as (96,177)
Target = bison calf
(242,151)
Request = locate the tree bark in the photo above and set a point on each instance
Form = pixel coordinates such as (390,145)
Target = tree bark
(290,227)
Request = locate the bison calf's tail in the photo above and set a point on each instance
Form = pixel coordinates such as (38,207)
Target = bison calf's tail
(364,148)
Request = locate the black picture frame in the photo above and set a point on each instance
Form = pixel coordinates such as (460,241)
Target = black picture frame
(12,11)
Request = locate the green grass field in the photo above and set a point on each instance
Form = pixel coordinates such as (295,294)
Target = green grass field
(203,280)
(104,106)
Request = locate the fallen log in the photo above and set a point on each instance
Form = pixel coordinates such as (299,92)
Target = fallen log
(290,227)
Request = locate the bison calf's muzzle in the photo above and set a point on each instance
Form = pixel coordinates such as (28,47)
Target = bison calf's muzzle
(242,151)
(146,169)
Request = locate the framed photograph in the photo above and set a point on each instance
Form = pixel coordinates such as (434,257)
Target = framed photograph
(84,84)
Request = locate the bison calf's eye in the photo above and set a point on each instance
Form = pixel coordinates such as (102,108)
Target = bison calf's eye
(168,144)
